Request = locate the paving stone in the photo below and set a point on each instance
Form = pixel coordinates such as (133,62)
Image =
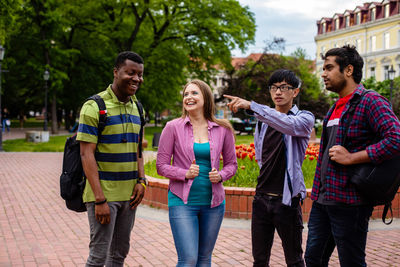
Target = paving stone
(36,229)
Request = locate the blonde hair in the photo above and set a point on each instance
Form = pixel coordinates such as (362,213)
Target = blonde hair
(209,105)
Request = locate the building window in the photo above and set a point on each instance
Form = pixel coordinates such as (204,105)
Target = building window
(358,18)
(372,72)
(373,13)
(323,27)
(373,43)
(336,24)
(386,40)
(347,21)
(387,10)
(322,49)
(386,72)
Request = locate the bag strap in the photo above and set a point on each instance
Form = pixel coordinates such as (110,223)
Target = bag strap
(142,123)
(102,112)
(386,208)
(351,111)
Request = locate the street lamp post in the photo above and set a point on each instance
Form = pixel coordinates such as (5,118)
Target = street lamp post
(2,50)
(391,73)
(46,76)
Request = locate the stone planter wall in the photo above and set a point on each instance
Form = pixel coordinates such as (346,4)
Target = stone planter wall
(239,200)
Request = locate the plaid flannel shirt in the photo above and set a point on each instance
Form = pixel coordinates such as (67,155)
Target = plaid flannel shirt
(372,117)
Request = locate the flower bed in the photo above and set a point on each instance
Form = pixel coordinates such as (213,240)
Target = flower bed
(248,170)
(240,189)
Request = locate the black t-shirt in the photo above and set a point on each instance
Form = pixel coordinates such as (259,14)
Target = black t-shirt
(331,132)
(272,173)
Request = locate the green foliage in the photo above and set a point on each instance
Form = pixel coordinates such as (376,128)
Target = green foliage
(29,123)
(247,173)
(383,88)
(244,139)
(150,169)
(78,41)
(250,81)
(148,135)
(308,169)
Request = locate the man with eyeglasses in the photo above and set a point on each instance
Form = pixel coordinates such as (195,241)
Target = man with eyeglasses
(281,138)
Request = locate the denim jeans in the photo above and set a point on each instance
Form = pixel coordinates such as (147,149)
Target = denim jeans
(342,226)
(269,214)
(109,243)
(195,230)
(4,125)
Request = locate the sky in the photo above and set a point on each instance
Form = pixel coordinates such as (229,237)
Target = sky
(293,20)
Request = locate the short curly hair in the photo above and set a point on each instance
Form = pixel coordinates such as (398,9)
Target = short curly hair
(123,56)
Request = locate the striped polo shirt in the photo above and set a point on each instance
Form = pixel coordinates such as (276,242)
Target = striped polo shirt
(117,147)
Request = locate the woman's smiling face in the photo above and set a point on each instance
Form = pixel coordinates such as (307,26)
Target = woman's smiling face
(193,98)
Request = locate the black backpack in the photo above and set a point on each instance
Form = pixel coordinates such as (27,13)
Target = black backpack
(378,184)
(72,179)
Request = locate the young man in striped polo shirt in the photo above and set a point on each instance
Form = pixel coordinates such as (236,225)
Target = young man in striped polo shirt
(115,184)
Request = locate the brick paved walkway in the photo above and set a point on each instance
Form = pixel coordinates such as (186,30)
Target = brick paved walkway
(37,230)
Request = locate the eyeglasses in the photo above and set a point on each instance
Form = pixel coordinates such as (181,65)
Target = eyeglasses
(283,88)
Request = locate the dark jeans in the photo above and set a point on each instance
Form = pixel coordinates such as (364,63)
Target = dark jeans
(269,214)
(343,226)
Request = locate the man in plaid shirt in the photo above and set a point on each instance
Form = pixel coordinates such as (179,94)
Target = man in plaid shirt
(339,215)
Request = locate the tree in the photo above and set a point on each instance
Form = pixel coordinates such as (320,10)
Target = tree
(78,41)
(383,88)
(250,81)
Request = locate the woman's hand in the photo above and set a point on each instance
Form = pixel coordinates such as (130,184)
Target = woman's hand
(214,175)
(193,171)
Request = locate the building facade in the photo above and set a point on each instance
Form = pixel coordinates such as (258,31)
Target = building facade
(373,28)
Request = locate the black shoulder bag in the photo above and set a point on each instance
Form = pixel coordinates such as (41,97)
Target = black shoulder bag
(377,183)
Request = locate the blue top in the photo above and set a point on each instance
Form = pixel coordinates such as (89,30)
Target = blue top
(201,191)
(296,127)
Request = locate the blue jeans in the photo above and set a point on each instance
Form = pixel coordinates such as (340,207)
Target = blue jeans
(345,227)
(4,125)
(195,230)
(109,243)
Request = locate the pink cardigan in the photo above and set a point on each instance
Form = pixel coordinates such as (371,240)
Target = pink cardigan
(176,142)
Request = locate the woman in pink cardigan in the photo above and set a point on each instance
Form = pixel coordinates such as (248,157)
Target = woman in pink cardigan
(196,196)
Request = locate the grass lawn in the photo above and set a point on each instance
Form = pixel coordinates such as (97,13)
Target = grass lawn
(244,139)
(246,176)
(55,144)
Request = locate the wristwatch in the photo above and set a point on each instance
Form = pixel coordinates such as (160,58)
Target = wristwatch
(143,180)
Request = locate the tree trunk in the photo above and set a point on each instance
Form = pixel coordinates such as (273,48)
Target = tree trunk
(54,126)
